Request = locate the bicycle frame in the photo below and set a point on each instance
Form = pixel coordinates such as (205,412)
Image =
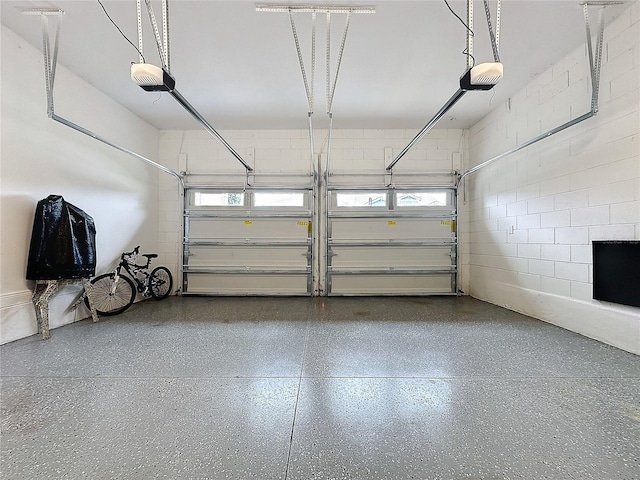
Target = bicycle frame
(134,270)
(115,291)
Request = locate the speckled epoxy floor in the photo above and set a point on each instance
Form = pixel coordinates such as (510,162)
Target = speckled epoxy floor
(302,388)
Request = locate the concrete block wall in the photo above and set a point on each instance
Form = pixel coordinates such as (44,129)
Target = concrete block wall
(532,216)
(288,151)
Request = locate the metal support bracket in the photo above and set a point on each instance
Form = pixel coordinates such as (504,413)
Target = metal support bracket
(493,36)
(163,51)
(594,66)
(331,86)
(309,90)
(50,58)
(161,43)
(247,182)
(330,82)
(50,61)
(595,60)
(470,60)
(469,49)
(388,178)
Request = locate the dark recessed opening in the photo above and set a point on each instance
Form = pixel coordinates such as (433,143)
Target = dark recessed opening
(616,271)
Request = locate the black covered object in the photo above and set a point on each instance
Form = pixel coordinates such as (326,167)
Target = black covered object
(63,242)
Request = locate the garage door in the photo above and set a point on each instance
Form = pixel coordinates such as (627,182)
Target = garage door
(247,242)
(391,241)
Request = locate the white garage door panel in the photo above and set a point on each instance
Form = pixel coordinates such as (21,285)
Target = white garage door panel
(255,241)
(386,228)
(254,228)
(390,284)
(390,257)
(264,256)
(241,284)
(363,240)
(402,242)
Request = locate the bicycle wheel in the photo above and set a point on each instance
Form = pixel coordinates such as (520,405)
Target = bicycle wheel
(109,300)
(160,282)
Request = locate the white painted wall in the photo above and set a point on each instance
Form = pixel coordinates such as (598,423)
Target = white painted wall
(533,215)
(41,157)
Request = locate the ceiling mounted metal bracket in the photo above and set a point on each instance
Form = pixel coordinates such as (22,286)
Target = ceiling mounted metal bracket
(469,37)
(42,11)
(594,67)
(493,36)
(331,86)
(309,90)
(163,81)
(314,8)
(162,44)
(50,62)
(467,81)
(330,83)
(50,58)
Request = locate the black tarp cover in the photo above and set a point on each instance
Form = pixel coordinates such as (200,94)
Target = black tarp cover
(63,242)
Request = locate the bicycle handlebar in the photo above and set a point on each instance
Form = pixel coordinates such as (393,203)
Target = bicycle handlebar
(131,253)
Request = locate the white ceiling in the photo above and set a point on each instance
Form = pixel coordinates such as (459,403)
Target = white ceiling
(239,67)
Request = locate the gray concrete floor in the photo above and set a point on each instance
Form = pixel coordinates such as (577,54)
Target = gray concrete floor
(301,388)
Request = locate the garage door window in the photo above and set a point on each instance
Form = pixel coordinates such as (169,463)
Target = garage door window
(422,199)
(225,199)
(361,199)
(278,199)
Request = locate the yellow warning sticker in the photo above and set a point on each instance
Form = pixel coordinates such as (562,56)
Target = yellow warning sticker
(309,229)
(302,224)
(248,222)
(449,222)
(391,223)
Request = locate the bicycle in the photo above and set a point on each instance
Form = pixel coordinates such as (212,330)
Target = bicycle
(112,293)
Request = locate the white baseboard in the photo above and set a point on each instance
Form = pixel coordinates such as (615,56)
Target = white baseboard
(18,315)
(615,325)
